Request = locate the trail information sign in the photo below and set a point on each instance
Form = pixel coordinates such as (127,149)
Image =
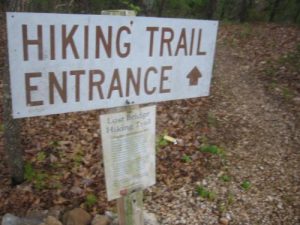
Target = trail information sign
(65,63)
(128,140)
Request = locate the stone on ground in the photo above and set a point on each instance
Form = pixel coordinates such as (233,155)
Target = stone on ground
(101,220)
(77,216)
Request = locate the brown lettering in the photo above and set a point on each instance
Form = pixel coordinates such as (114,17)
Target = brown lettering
(38,42)
(61,89)
(199,43)
(77,74)
(147,91)
(192,41)
(30,88)
(135,82)
(67,39)
(115,84)
(182,43)
(152,30)
(166,40)
(86,42)
(164,78)
(52,42)
(96,84)
(126,44)
(105,42)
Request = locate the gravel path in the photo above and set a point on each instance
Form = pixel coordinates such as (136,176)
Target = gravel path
(261,142)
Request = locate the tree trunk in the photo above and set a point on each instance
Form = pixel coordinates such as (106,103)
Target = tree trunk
(297,14)
(161,6)
(11,126)
(243,11)
(211,6)
(223,10)
(251,3)
(274,10)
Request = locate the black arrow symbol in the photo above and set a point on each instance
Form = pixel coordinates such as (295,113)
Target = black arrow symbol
(194,76)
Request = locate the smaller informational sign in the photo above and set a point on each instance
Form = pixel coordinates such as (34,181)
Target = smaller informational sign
(128,143)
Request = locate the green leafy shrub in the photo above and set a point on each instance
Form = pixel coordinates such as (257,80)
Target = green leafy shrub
(161,142)
(37,178)
(29,172)
(246,185)
(204,193)
(213,149)
(41,156)
(90,200)
(186,158)
(225,178)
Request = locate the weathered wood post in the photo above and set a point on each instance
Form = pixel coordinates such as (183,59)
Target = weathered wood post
(12,138)
(130,206)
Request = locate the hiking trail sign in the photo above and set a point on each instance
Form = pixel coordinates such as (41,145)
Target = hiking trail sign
(66,63)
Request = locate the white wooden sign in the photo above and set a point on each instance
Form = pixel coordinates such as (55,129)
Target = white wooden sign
(128,143)
(65,63)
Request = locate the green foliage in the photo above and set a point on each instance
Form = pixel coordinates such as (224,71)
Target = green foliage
(225,10)
(37,178)
(246,185)
(41,156)
(225,178)
(132,6)
(230,199)
(78,157)
(213,149)
(29,172)
(161,142)
(206,194)
(54,144)
(186,158)
(90,200)
(224,206)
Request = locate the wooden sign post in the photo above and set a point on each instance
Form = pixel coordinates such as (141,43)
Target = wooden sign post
(130,205)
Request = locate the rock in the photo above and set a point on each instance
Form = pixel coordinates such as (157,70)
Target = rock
(297,100)
(228,216)
(101,220)
(50,220)
(55,212)
(76,217)
(76,190)
(115,221)
(150,218)
(9,219)
(37,215)
(224,221)
(111,215)
(180,142)
(34,219)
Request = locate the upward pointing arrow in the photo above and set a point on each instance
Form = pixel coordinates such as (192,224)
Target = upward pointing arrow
(194,76)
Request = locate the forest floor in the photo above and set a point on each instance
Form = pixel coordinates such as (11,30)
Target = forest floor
(238,157)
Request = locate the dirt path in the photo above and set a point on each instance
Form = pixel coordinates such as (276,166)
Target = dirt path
(266,151)
(261,141)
